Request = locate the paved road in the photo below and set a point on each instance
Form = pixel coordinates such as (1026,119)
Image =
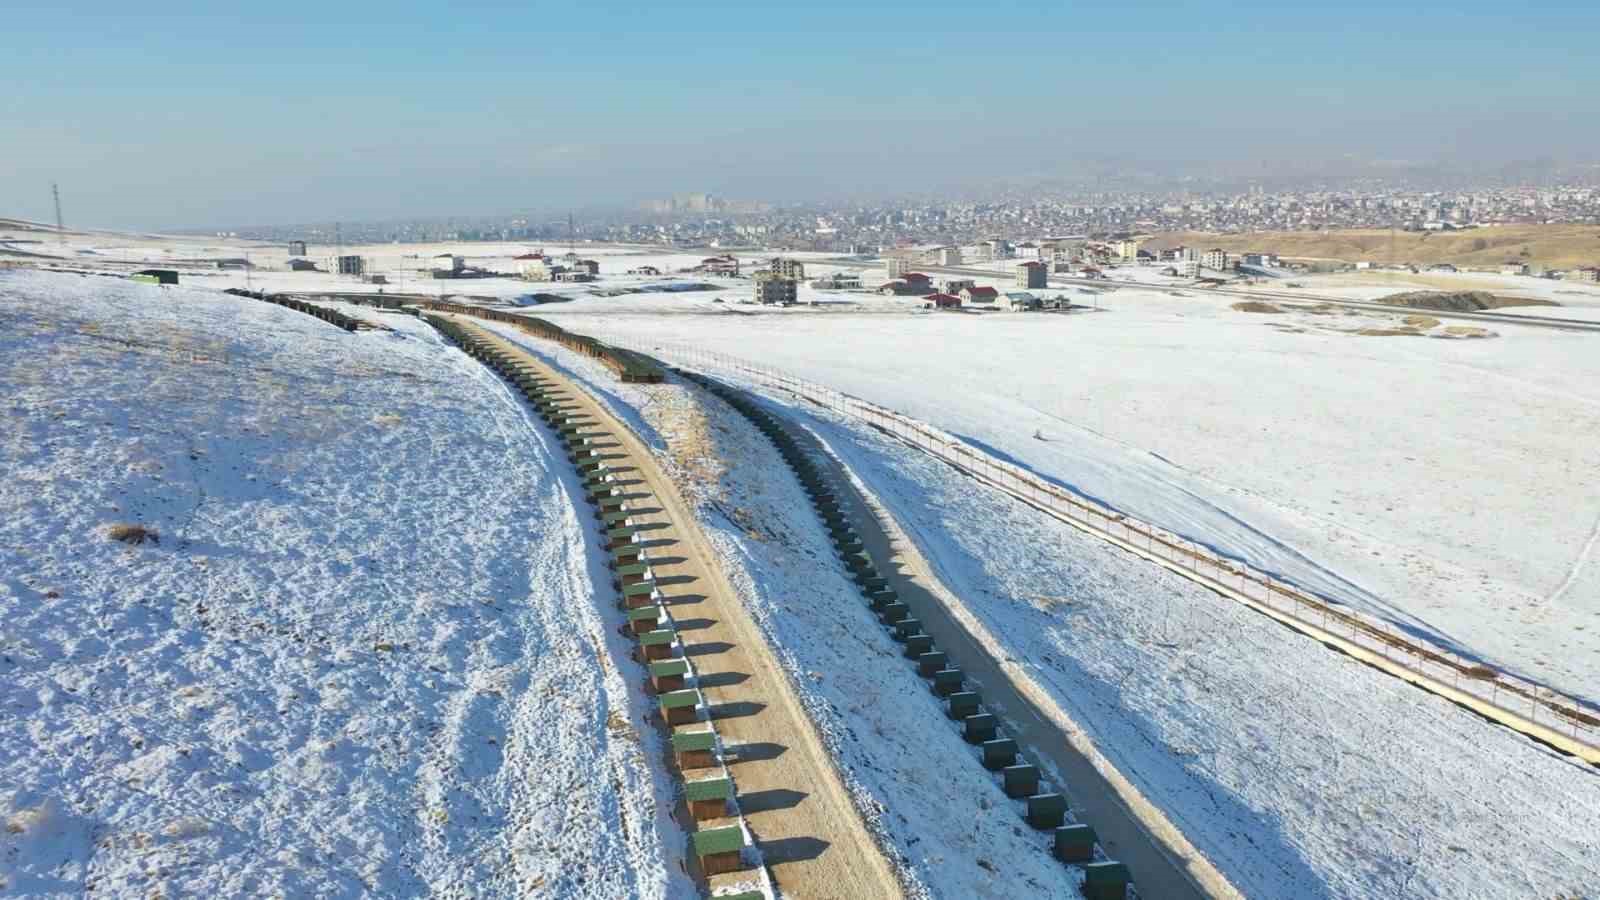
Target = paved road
(813,842)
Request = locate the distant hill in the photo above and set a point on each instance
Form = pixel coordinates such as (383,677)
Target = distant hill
(1546,246)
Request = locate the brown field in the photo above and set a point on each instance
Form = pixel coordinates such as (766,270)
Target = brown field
(1546,246)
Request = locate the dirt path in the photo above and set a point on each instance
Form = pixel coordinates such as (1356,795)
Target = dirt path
(1130,829)
(797,809)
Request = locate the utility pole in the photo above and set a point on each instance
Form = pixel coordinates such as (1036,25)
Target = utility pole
(61,230)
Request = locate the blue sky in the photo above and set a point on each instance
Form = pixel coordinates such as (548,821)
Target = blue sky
(155,114)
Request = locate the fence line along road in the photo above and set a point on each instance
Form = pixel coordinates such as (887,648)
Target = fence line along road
(1532,709)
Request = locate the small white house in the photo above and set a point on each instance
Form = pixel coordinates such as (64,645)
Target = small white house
(1022,301)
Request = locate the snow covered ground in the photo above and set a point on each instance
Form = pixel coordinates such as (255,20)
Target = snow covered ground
(945,824)
(364,656)
(1297,771)
(1448,485)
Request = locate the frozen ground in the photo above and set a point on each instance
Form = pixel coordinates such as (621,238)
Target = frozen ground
(1448,485)
(945,824)
(364,657)
(1297,771)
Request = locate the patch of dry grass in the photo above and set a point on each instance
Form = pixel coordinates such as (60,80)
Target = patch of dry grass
(1256,306)
(1421,321)
(133,534)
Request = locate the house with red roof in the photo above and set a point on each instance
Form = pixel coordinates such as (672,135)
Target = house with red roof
(976,294)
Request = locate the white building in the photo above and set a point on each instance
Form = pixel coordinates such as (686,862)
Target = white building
(899,265)
(1215,259)
(949,256)
(999,249)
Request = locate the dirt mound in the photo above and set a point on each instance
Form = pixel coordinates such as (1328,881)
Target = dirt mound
(1256,306)
(1459,301)
(1421,321)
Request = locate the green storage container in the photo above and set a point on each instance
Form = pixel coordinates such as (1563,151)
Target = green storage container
(1020,781)
(999,753)
(686,739)
(1075,843)
(663,668)
(962,704)
(708,789)
(727,839)
(678,699)
(1046,810)
(657,637)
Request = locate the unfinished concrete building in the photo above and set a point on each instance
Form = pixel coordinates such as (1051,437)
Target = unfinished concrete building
(787,268)
(775,289)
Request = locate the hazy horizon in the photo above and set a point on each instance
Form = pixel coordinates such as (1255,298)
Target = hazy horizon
(149,117)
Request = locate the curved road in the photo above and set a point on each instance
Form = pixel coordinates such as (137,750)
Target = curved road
(794,804)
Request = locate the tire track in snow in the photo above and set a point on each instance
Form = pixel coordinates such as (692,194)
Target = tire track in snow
(1577,564)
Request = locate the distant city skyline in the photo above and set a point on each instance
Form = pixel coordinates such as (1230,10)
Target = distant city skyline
(156,116)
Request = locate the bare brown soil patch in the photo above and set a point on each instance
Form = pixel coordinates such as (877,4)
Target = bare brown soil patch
(1459,301)
(1256,306)
(133,534)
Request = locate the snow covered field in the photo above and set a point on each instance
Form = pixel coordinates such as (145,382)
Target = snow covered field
(364,656)
(1447,485)
(1297,771)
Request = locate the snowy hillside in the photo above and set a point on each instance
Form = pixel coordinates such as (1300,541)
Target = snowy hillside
(1297,771)
(1447,485)
(357,654)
